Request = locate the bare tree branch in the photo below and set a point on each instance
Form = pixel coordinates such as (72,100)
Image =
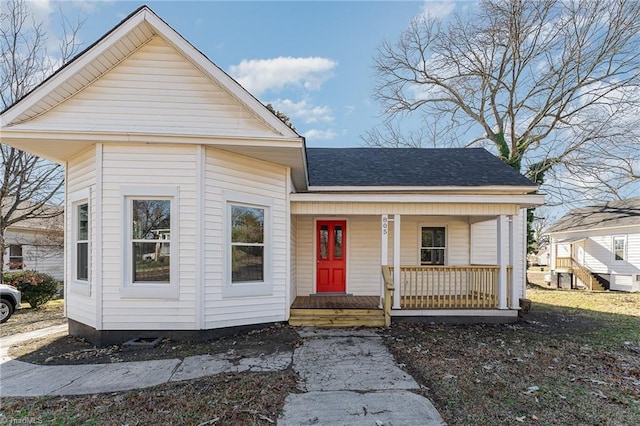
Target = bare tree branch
(552,86)
(30,185)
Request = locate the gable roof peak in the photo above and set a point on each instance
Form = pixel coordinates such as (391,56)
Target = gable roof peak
(137,28)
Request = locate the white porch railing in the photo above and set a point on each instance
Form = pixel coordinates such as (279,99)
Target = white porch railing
(448,287)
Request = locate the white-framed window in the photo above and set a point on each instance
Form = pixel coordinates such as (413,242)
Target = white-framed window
(619,248)
(79,248)
(247,245)
(150,238)
(81,241)
(16,260)
(433,245)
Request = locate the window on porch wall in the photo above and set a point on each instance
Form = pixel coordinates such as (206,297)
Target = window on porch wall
(433,245)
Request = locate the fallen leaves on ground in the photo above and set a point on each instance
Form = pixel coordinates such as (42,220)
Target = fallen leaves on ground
(560,368)
(228,399)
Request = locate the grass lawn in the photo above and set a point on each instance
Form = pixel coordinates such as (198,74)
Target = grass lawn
(574,360)
(28,319)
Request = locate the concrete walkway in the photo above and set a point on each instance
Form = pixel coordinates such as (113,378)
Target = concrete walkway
(23,379)
(348,377)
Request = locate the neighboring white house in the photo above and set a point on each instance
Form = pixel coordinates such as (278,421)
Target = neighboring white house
(37,245)
(205,211)
(599,246)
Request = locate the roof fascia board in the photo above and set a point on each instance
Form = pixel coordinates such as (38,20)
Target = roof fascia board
(50,85)
(605,228)
(491,188)
(233,87)
(523,200)
(10,134)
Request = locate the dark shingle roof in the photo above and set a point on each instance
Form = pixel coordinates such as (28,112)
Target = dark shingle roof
(609,215)
(409,167)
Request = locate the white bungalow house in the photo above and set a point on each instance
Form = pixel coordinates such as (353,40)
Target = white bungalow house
(598,247)
(206,212)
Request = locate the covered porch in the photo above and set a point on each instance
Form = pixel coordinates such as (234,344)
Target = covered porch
(423,260)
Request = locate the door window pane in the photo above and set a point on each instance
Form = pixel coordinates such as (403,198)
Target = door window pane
(324,242)
(337,240)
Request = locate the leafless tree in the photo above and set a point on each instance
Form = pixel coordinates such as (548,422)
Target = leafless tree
(550,86)
(29,183)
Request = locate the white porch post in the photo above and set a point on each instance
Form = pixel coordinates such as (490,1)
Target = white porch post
(396,261)
(503,258)
(513,226)
(384,251)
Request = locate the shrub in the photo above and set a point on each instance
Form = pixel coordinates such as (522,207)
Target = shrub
(36,288)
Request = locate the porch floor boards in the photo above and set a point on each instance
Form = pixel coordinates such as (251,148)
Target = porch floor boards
(336,311)
(336,302)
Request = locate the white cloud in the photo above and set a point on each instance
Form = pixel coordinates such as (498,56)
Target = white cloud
(260,75)
(304,111)
(438,9)
(320,134)
(41,9)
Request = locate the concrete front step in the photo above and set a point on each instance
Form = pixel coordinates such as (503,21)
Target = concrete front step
(337,317)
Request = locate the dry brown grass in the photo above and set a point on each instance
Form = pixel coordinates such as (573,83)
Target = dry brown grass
(229,399)
(574,360)
(29,319)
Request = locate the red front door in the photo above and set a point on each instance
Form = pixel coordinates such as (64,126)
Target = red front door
(331,256)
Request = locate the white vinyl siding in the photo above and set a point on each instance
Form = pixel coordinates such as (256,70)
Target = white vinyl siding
(38,253)
(156,167)
(81,179)
(305,255)
(154,91)
(363,255)
(598,250)
(484,236)
(230,173)
(598,255)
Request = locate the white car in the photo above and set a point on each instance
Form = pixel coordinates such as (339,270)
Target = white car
(10,299)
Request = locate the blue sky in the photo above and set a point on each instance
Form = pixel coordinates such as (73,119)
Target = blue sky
(311,60)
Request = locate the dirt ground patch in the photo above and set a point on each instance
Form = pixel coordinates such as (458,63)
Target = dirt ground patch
(28,319)
(69,350)
(228,399)
(560,365)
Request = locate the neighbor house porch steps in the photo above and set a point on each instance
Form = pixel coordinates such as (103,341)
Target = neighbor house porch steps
(336,311)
